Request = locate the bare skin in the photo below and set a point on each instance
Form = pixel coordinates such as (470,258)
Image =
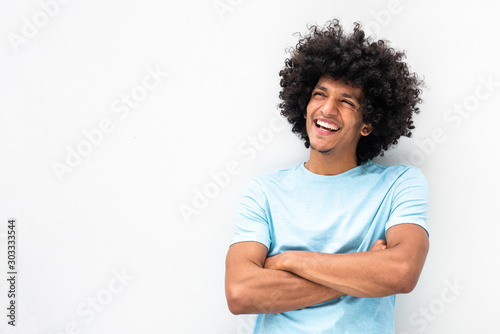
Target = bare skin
(251,288)
(339,104)
(365,274)
(297,279)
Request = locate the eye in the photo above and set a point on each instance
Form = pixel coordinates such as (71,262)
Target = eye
(318,94)
(348,102)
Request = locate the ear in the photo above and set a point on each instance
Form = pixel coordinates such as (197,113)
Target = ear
(366,129)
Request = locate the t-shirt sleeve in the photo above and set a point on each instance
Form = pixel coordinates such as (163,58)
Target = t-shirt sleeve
(252,218)
(410,198)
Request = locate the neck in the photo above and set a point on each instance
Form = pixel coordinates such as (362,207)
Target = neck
(325,164)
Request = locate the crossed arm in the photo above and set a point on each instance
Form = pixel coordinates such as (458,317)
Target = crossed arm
(297,279)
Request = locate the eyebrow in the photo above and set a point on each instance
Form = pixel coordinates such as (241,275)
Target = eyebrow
(349,96)
(343,94)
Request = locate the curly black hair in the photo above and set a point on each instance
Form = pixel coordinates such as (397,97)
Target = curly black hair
(391,91)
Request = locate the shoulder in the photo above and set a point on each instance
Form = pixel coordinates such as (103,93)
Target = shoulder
(395,172)
(282,180)
(280,176)
(396,179)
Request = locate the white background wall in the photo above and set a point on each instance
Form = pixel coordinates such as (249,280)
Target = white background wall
(116,212)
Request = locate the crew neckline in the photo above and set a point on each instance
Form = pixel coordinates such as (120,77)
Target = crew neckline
(351,172)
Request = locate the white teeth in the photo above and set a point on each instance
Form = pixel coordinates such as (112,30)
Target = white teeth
(327,125)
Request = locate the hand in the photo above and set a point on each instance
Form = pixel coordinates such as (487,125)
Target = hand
(378,245)
(275,261)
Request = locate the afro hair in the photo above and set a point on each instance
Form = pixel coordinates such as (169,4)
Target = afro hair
(391,91)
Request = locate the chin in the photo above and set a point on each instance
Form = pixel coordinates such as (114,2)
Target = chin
(323,150)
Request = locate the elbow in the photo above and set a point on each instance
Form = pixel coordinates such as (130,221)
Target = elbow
(408,279)
(236,300)
(407,287)
(235,307)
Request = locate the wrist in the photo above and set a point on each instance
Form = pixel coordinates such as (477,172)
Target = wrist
(287,261)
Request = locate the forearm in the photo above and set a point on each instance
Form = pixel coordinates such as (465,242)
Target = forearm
(382,271)
(262,290)
(366,274)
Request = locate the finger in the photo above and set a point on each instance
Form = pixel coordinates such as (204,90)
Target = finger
(379,244)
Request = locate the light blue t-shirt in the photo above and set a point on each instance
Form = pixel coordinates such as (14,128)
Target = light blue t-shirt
(295,209)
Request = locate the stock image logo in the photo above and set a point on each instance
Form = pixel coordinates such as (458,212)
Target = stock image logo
(248,150)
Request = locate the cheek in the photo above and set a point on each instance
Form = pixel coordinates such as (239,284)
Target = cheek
(307,113)
(309,108)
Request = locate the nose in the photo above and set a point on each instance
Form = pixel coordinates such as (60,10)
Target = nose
(330,107)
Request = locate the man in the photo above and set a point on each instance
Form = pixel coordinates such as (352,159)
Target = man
(324,246)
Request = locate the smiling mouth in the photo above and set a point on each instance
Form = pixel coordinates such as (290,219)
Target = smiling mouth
(325,126)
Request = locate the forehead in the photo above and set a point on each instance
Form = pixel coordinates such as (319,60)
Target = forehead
(330,85)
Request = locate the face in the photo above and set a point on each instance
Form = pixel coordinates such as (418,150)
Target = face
(333,120)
